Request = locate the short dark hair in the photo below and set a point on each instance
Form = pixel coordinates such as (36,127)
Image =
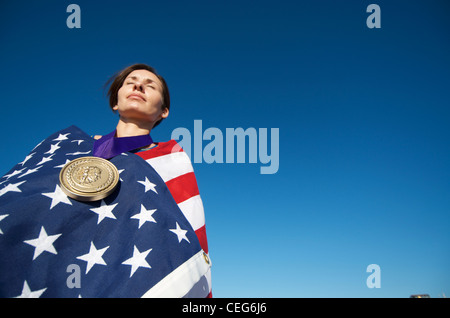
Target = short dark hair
(117,81)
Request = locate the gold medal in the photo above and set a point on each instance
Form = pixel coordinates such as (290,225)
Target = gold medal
(88,178)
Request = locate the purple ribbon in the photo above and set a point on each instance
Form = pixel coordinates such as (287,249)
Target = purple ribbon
(109,146)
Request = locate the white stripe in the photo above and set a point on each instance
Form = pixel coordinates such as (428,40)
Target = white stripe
(171,165)
(208,276)
(202,288)
(180,281)
(192,209)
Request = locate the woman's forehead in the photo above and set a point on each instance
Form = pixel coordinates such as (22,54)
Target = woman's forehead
(144,75)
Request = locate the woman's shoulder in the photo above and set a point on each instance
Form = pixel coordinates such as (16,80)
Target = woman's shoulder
(163,148)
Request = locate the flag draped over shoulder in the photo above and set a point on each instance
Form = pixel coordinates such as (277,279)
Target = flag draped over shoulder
(134,243)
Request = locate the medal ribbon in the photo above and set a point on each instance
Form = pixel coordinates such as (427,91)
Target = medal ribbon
(109,146)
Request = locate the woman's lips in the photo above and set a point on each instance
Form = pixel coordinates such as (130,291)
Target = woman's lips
(136,96)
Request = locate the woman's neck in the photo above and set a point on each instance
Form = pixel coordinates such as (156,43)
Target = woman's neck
(127,129)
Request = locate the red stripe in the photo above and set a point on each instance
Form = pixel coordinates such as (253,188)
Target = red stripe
(201,234)
(183,187)
(163,148)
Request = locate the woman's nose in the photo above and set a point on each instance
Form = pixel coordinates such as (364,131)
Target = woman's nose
(138,86)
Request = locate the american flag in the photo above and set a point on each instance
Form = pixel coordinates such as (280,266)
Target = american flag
(147,239)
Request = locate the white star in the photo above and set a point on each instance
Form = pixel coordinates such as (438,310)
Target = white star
(26,159)
(57,197)
(13,173)
(45,159)
(53,148)
(148,185)
(1,218)
(104,211)
(78,153)
(181,234)
(30,171)
(79,141)
(27,293)
(144,216)
(120,171)
(61,137)
(43,243)
(137,260)
(60,166)
(93,257)
(13,187)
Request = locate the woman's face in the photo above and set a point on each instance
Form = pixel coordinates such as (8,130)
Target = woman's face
(140,98)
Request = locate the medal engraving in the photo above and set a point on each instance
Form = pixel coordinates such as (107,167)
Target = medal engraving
(88,178)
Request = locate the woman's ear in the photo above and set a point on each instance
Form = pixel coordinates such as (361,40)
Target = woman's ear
(115,108)
(165,113)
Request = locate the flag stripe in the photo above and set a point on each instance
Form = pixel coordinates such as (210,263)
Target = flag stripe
(171,165)
(192,209)
(167,147)
(201,234)
(180,281)
(183,187)
(175,167)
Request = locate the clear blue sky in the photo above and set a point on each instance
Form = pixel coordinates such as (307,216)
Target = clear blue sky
(363,116)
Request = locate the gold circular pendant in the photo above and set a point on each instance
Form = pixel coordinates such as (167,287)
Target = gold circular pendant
(88,178)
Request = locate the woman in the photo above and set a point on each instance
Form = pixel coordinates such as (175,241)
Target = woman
(146,238)
(141,97)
